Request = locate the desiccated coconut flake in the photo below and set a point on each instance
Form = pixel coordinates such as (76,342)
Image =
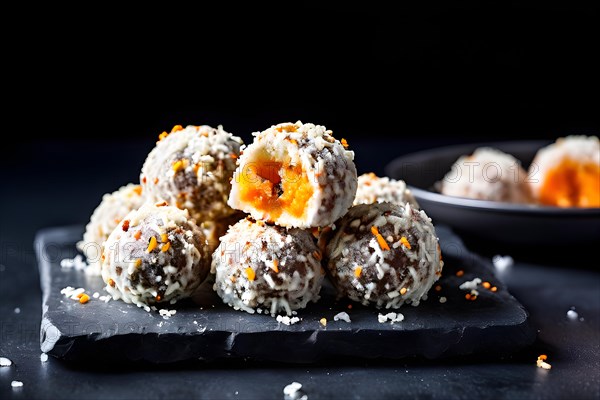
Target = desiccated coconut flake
(5,362)
(43,357)
(293,392)
(572,314)
(284,319)
(16,384)
(342,316)
(470,285)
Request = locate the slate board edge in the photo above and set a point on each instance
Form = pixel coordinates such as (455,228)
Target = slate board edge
(84,347)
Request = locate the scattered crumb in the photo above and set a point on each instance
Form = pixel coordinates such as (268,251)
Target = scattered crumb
(43,357)
(166,314)
(443,299)
(96,295)
(195,322)
(16,384)
(5,362)
(293,392)
(541,362)
(78,262)
(105,299)
(460,273)
(502,262)
(572,314)
(342,316)
(323,321)
(470,285)
(284,319)
(391,316)
(17,310)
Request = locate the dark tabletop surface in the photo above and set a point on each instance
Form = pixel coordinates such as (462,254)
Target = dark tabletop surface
(69,187)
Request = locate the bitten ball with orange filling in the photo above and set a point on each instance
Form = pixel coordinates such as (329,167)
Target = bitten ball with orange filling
(157,254)
(375,189)
(384,254)
(105,217)
(295,175)
(267,268)
(567,173)
(191,168)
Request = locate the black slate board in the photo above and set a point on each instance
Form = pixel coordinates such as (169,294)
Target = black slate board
(496,324)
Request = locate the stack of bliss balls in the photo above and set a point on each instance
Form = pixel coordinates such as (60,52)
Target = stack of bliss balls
(267,222)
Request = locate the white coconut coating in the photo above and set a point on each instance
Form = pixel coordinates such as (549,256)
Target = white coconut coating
(271,268)
(191,168)
(374,189)
(157,254)
(107,215)
(487,174)
(295,175)
(576,148)
(384,254)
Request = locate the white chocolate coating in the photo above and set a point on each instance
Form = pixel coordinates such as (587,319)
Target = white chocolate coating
(374,189)
(384,254)
(157,254)
(191,168)
(487,174)
(107,215)
(328,166)
(258,266)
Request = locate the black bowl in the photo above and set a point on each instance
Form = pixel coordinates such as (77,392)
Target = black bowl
(489,220)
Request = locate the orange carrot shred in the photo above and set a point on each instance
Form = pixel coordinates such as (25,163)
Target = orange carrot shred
(382,243)
(358,271)
(250,274)
(152,245)
(404,242)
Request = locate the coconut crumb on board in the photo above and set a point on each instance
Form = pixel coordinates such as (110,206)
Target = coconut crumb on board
(43,357)
(343,316)
(541,362)
(78,263)
(5,362)
(166,314)
(572,314)
(391,317)
(284,319)
(293,391)
(16,384)
(470,285)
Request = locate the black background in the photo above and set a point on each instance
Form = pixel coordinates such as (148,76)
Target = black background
(455,73)
(87,91)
